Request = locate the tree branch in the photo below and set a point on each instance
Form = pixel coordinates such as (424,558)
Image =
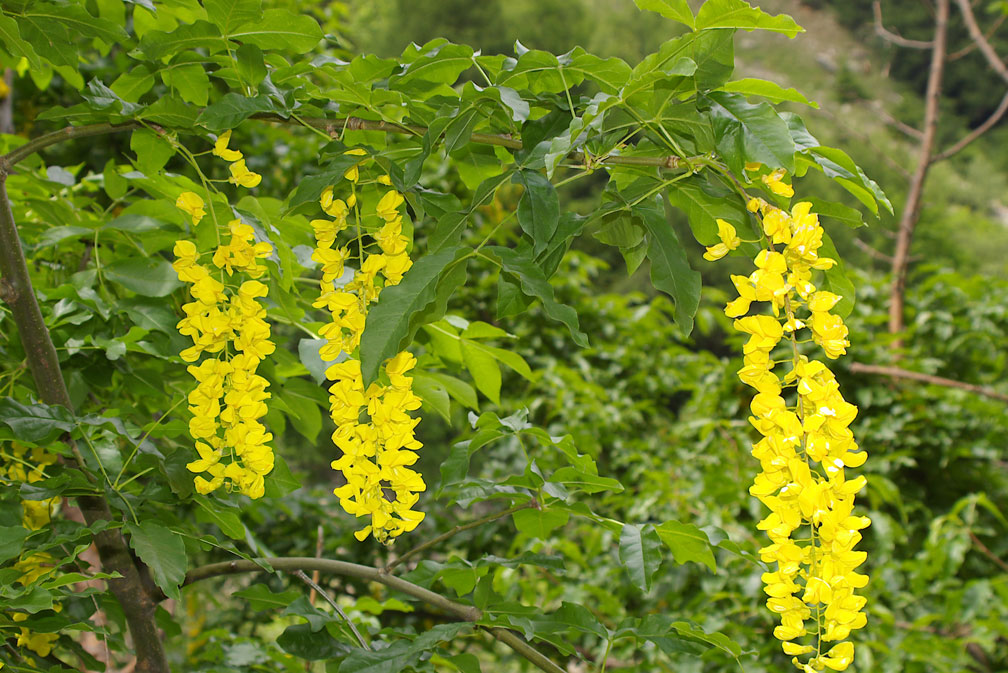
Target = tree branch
(975,133)
(467,613)
(981,42)
(889,36)
(137,604)
(956,55)
(911,209)
(457,529)
(900,373)
(332,127)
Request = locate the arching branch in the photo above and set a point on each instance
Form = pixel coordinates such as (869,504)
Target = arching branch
(467,613)
(890,36)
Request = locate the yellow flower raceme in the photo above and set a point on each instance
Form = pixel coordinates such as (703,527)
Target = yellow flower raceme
(227,323)
(806,444)
(374,428)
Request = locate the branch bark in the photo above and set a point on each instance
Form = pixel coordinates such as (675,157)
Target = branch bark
(975,133)
(889,36)
(138,606)
(981,41)
(911,209)
(332,127)
(467,613)
(900,373)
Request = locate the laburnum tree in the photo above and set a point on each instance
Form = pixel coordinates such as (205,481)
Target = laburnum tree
(256,240)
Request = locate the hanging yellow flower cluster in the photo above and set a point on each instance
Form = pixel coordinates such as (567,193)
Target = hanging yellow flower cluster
(20,464)
(226,321)
(806,445)
(374,429)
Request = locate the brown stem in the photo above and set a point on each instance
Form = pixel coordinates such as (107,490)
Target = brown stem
(889,36)
(900,373)
(973,45)
(136,602)
(457,529)
(985,550)
(993,60)
(975,133)
(333,127)
(911,209)
(468,613)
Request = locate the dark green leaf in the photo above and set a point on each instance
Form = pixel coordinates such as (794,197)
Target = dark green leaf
(163,551)
(146,276)
(538,209)
(640,552)
(670,270)
(750,132)
(534,284)
(232,110)
(36,423)
(157,45)
(392,322)
(301,641)
(687,542)
(281,30)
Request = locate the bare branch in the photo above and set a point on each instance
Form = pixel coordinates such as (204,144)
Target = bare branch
(989,123)
(983,45)
(911,209)
(968,49)
(889,36)
(300,574)
(872,252)
(468,613)
(900,373)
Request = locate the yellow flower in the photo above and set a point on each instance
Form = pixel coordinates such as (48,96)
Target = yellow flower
(729,241)
(220,148)
(775,181)
(191,203)
(241,175)
(388,207)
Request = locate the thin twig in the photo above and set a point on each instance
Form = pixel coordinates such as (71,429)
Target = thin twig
(468,613)
(975,133)
(890,36)
(900,373)
(457,529)
(982,44)
(872,252)
(332,127)
(328,599)
(956,55)
(985,550)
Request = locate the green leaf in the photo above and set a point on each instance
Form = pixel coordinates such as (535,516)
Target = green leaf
(677,10)
(146,276)
(837,281)
(229,14)
(440,63)
(484,369)
(157,44)
(152,151)
(539,523)
(10,37)
(78,21)
(394,320)
(460,391)
(433,394)
(261,597)
(772,91)
(171,112)
(37,423)
(670,270)
(740,14)
(703,208)
(640,552)
(224,518)
(750,132)
(232,110)
(538,209)
(131,85)
(310,188)
(190,80)
(534,284)
(304,643)
(687,542)
(281,30)
(251,65)
(163,551)
(11,540)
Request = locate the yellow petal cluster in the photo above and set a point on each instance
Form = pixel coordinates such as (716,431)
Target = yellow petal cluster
(729,241)
(374,428)
(806,444)
(240,174)
(227,325)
